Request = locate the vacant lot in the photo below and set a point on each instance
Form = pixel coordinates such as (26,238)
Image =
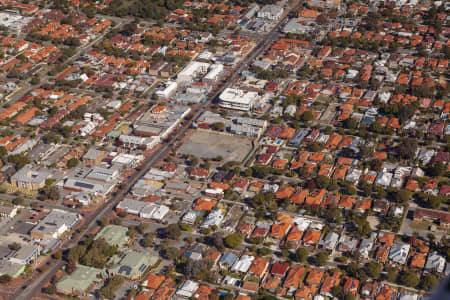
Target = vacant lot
(210,145)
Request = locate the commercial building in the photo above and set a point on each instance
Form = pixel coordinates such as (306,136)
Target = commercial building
(101,174)
(93,157)
(114,235)
(30,179)
(133,265)
(92,187)
(137,142)
(79,281)
(146,210)
(54,224)
(271,12)
(160,120)
(25,254)
(8,211)
(237,99)
(192,70)
(193,94)
(10,268)
(214,74)
(170,88)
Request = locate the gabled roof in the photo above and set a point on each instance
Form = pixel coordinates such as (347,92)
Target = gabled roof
(314,277)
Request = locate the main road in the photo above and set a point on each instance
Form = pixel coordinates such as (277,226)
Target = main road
(268,39)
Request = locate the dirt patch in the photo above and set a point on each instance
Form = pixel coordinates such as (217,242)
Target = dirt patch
(209,144)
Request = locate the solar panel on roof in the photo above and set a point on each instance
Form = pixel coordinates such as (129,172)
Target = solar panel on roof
(84,185)
(142,267)
(125,269)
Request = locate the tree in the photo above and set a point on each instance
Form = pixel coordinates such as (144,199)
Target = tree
(349,296)
(148,241)
(264,251)
(307,116)
(350,123)
(219,126)
(322,181)
(338,291)
(321,259)
(301,254)
(51,289)
(35,80)
(51,138)
(132,232)
(130,28)
(348,188)
(392,274)
(14,246)
(173,231)
(409,278)
(429,282)
(18,201)
(332,214)
(362,226)
(332,186)
(72,163)
(407,149)
(66,131)
(194,161)
(374,269)
(3,152)
(172,253)
(356,270)
(217,240)
(314,147)
(233,240)
(435,169)
(19,160)
(122,214)
(141,228)
(322,18)
(53,193)
(402,196)
(108,290)
(4,279)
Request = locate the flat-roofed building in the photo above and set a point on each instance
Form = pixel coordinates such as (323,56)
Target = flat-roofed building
(237,99)
(79,281)
(114,235)
(54,224)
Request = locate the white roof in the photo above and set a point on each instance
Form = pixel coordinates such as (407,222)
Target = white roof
(243,264)
(193,68)
(189,286)
(302,223)
(383,178)
(215,217)
(238,96)
(399,252)
(215,70)
(435,261)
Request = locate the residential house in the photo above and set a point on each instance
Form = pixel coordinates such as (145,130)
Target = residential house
(330,241)
(399,253)
(435,262)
